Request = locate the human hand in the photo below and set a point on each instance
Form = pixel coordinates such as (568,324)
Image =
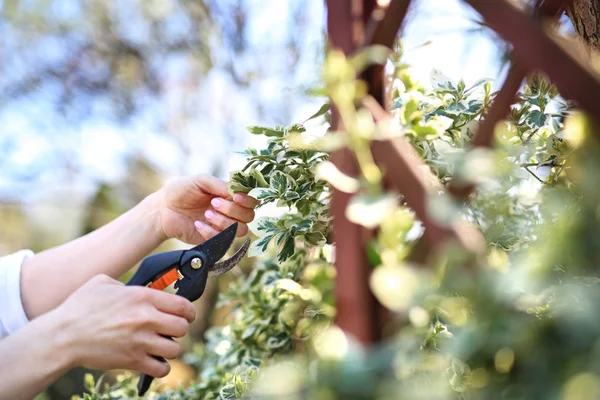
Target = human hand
(108,325)
(194,209)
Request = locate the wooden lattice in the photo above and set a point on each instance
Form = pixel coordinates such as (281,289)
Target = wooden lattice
(353,24)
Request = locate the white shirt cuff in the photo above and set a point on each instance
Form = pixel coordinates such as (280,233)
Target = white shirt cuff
(12,314)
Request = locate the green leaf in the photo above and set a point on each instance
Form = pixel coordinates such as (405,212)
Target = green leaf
(259,130)
(290,195)
(372,254)
(457,107)
(426,132)
(441,82)
(433,128)
(409,112)
(370,211)
(536,119)
(259,246)
(296,128)
(474,106)
(374,54)
(260,179)
(236,187)
(330,173)
(89,382)
(324,108)
(304,225)
(304,188)
(291,154)
(461,86)
(227,392)
(267,224)
(315,238)
(263,194)
(248,332)
(287,250)
(303,206)
(477,84)
(276,342)
(279,181)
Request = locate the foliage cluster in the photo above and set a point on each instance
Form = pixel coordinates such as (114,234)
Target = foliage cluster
(517,322)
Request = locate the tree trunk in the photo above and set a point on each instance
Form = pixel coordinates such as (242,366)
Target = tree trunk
(585,16)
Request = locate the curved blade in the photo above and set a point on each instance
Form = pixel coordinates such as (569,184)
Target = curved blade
(224,266)
(216,247)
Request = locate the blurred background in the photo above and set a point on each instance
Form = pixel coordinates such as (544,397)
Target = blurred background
(101,101)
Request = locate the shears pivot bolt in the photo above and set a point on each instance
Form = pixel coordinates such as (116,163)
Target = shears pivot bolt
(196,263)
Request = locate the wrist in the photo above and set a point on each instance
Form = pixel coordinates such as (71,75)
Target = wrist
(150,211)
(59,344)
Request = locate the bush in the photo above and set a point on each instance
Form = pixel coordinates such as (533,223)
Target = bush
(517,322)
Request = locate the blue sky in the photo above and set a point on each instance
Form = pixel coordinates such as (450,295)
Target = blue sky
(98,147)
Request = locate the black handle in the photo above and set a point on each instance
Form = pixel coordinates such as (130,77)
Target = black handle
(192,288)
(150,268)
(144,384)
(154,266)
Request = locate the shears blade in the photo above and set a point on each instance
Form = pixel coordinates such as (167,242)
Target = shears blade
(225,265)
(216,247)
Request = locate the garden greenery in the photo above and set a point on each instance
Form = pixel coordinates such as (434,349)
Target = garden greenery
(518,322)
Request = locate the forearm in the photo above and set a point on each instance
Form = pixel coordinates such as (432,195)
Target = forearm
(49,277)
(32,358)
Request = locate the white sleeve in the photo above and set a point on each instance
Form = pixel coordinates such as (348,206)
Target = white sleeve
(12,315)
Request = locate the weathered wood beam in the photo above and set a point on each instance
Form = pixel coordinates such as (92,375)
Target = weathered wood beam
(536,48)
(357,309)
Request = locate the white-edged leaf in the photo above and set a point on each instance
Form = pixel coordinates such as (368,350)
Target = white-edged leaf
(258,247)
(478,83)
(328,142)
(259,177)
(439,81)
(324,108)
(262,193)
(536,119)
(276,342)
(279,181)
(327,171)
(370,211)
(315,238)
(457,107)
(260,130)
(248,332)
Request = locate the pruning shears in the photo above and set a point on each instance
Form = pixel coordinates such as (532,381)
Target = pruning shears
(189,269)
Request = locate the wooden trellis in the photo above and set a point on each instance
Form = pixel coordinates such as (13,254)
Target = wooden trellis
(352,24)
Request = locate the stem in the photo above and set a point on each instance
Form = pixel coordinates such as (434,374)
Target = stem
(534,175)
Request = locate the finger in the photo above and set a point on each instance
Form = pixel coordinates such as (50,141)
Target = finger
(153,367)
(172,304)
(205,230)
(245,200)
(170,325)
(212,185)
(233,210)
(156,345)
(222,222)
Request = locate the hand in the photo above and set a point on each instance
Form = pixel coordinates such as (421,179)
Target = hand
(109,325)
(194,209)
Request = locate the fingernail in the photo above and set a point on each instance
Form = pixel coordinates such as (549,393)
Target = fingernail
(216,202)
(237,197)
(209,214)
(199,225)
